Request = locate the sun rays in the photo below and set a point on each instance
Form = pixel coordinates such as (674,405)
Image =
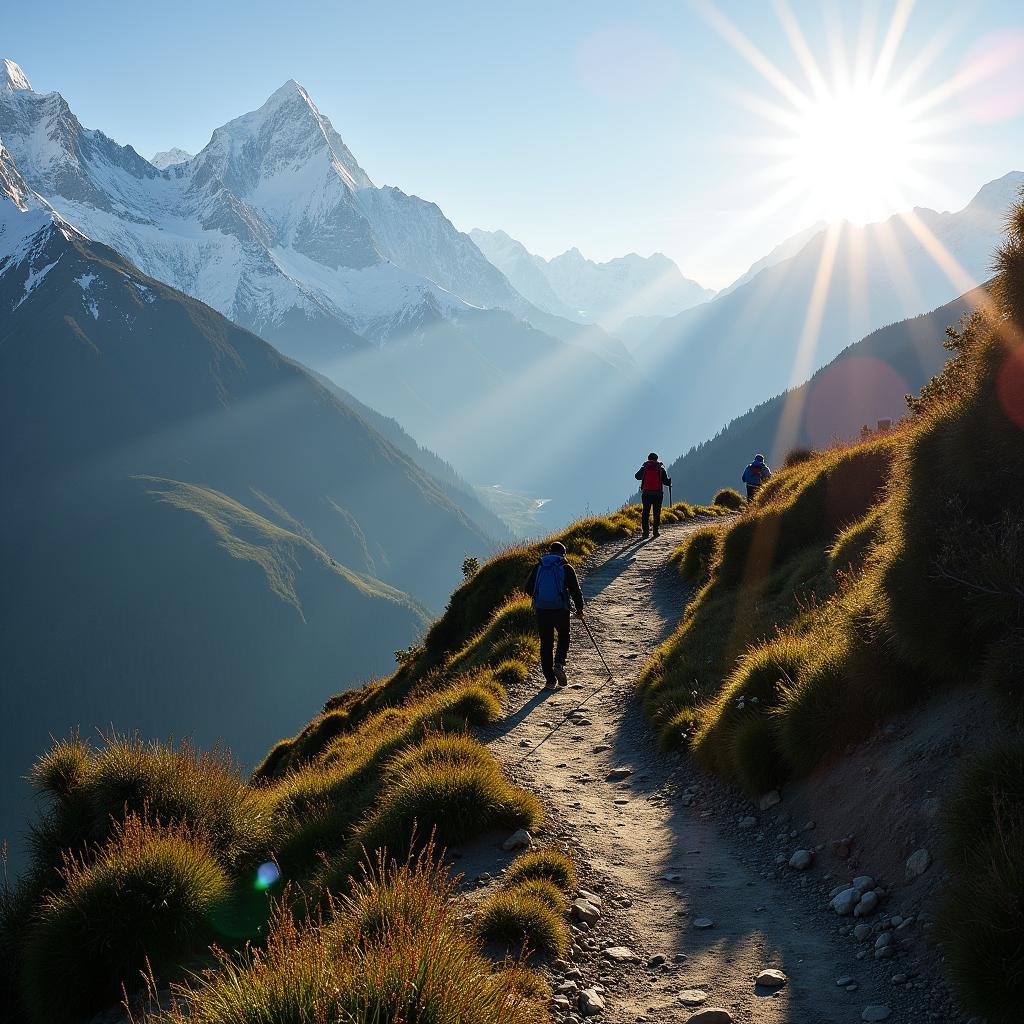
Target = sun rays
(850,135)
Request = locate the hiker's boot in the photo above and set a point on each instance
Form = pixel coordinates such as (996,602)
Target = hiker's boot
(563,679)
(550,684)
(657,533)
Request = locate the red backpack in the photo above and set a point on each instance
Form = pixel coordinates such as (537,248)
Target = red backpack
(651,480)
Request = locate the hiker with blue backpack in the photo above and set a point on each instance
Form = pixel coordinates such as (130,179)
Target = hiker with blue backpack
(653,480)
(554,587)
(756,474)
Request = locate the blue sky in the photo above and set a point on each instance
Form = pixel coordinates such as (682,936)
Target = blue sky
(607,126)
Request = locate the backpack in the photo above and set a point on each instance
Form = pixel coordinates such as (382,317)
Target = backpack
(756,474)
(651,480)
(549,585)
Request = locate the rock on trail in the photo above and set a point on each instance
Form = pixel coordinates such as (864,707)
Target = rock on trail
(655,865)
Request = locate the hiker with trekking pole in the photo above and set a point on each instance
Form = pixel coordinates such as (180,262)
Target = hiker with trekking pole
(653,479)
(554,586)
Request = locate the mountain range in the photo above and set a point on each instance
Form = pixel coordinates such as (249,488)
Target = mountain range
(275,225)
(608,293)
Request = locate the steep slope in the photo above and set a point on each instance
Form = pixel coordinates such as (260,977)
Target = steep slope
(797,315)
(605,293)
(865,383)
(184,506)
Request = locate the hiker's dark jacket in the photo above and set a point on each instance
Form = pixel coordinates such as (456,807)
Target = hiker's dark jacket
(572,586)
(666,480)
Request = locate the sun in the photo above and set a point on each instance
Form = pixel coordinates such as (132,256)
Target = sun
(846,136)
(852,154)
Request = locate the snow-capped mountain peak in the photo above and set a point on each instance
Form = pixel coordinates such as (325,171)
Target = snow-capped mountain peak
(170,158)
(12,77)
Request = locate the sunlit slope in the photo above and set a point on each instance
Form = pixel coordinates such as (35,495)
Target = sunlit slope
(730,354)
(865,383)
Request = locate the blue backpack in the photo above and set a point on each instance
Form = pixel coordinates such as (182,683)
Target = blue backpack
(549,586)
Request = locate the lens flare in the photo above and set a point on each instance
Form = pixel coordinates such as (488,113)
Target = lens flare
(267,875)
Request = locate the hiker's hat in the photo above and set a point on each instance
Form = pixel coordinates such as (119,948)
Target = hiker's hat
(653,457)
(557,548)
(759,458)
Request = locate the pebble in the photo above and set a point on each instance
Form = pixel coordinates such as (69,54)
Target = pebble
(868,903)
(618,773)
(844,981)
(584,911)
(875,1013)
(801,860)
(693,996)
(862,931)
(657,960)
(621,954)
(844,903)
(710,1015)
(918,863)
(862,883)
(748,822)
(703,922)
(769,800)
(591,1002)
(771,978)
(519,839)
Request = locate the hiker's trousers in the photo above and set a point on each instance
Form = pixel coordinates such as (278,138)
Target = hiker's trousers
(651,500)
(549,622)
(751,491)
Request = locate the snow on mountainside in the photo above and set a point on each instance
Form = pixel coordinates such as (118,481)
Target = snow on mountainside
(263,224)
(605,293)
(170,157)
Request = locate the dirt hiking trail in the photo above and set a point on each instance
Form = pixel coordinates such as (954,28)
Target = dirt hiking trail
(663,866)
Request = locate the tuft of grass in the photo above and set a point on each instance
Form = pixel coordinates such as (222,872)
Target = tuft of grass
(981,919)
(392,951)
(696,558)
(462,799)
(545,865)
(729,498)
(63,769)
(521,920)
(795,456)
(146,901)
(544,890)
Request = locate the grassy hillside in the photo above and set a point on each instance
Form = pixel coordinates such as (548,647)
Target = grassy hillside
(146,853)
(865,383)
(863,580)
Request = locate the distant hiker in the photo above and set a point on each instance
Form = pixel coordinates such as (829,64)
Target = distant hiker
(755,474)
(552,584)
(653,479)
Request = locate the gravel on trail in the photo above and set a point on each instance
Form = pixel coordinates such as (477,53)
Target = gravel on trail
(697,905)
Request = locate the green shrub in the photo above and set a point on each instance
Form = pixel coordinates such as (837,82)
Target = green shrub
(516,920)
(547,865)
(757,763)
(146,901)
(729,498)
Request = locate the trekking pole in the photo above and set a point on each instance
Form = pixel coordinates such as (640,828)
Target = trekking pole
(598,649)
(669,495)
